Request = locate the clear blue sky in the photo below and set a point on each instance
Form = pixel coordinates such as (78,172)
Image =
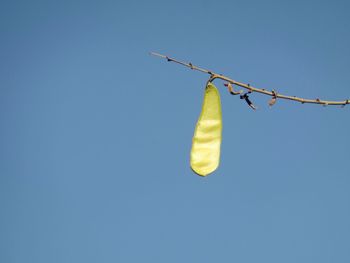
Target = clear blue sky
(95,134)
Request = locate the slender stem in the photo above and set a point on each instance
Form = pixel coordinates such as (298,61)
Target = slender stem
(251,88)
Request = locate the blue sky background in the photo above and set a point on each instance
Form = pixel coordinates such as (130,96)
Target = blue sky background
(95,133)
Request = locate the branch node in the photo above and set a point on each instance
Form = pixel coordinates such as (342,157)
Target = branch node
(346,102)
(273,99)
(249,88)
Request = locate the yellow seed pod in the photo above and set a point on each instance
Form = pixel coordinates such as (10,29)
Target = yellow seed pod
(205,153)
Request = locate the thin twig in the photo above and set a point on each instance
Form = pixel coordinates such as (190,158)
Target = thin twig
(251,88)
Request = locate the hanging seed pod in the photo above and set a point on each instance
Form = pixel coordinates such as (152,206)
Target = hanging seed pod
(205,152)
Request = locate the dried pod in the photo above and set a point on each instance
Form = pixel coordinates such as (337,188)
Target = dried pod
(230,89)
(247,100)
(272,101)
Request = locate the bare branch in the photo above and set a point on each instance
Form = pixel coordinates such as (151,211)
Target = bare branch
(272,93)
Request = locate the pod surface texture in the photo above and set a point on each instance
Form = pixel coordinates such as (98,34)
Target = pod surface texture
(206,142)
